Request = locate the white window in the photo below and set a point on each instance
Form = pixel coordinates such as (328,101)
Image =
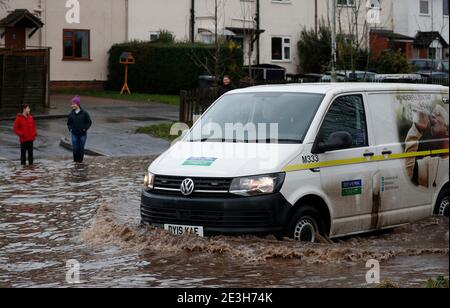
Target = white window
(281,48)
(346,2)
(207,37)
(154,35)
(424,7)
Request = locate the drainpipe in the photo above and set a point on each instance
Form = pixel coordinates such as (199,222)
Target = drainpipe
(192,21)
(258,28)
(333,41)
(127,27)
(40,15)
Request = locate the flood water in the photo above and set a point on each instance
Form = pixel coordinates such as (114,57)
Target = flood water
(58,211)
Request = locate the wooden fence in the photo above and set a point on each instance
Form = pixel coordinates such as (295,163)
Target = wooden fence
(195,102)
(24,78)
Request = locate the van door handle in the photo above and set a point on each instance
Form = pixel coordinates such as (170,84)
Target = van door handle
(369,154)
(386,152)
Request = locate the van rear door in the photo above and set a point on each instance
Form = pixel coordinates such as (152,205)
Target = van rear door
(407,143)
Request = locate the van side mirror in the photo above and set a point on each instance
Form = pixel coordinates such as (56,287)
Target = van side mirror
(337,141)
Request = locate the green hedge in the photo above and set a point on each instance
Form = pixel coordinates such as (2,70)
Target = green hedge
(169,68)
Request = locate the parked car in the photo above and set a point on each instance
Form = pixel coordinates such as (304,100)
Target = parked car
(350,76)
(344,159)
(430,67)
(399,78)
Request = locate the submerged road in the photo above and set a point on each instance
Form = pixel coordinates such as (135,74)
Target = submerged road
(58,211)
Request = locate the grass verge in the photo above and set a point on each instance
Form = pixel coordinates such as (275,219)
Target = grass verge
(159,131)
(134,97)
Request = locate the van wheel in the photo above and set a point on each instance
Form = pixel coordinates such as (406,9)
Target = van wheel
(442,203)
(306,225)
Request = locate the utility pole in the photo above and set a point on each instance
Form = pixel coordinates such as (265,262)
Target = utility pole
(333,42)
(316,28)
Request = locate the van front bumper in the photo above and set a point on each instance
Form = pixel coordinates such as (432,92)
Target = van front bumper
(266,214)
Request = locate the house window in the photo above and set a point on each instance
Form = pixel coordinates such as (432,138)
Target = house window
(424,7)
(76,44)
(281,49)
(239,40)
(346,2)
(445,7)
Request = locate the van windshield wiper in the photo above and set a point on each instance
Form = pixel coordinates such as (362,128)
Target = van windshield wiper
(282,140)
(208,139)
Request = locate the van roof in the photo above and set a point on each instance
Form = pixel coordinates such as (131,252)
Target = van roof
(336,88)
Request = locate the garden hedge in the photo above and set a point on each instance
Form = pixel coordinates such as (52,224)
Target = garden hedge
(168,68)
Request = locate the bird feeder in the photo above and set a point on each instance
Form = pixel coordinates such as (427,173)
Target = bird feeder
(126,58)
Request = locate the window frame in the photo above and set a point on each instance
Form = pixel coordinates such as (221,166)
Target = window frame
(280,1)
(443,7)
(429,8)
(156,33)
(66,38)
(283,46)
(364,110)
(347,4)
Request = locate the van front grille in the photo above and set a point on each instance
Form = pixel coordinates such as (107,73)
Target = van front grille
(170,185)
(207,218)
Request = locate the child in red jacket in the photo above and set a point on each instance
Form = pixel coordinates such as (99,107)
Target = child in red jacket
(25,128)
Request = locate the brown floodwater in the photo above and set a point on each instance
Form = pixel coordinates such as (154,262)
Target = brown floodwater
(58,211)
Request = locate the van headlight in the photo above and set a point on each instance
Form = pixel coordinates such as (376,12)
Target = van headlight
(257,185)
(149,180)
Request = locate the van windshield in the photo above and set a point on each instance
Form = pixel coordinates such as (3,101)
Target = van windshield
(258,117)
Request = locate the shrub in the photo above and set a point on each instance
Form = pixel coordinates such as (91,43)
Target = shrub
(166,37)
(391,62)
(168,68)
(314,50)
(440,282)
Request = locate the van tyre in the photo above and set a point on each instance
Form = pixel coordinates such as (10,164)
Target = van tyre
(442,203)
(306,225)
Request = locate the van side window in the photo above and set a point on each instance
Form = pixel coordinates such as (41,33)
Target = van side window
(346,114)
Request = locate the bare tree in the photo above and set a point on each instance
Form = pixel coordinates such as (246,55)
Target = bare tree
(218,32)
(248,10)
(354,32)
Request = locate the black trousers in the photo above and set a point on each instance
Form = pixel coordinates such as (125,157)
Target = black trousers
(24,148)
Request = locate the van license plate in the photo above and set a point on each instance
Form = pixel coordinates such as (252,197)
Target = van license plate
(180,229)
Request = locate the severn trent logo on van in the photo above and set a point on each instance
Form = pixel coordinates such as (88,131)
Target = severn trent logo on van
(351,188)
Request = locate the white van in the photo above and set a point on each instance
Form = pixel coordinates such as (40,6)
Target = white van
(329,159)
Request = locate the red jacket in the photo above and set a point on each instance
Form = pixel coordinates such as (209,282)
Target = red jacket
(25,128)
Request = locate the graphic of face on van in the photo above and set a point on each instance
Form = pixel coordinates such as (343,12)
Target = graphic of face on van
(423,121)
(439,122)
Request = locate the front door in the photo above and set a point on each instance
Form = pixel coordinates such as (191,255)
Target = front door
(348,176)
